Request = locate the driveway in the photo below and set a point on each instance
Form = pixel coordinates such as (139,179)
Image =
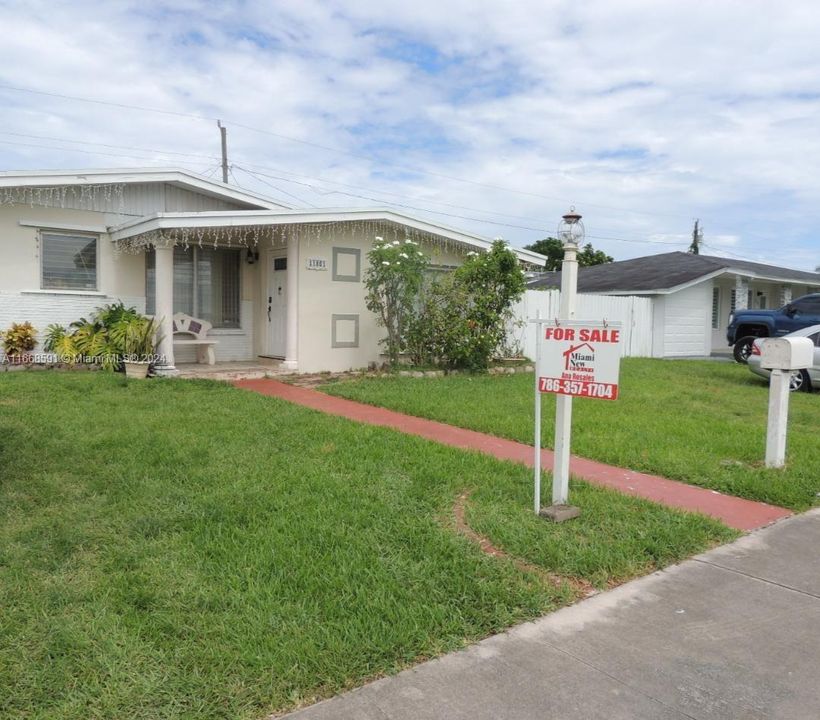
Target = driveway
(732,633)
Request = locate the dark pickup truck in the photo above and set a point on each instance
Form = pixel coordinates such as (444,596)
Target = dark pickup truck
(746,325)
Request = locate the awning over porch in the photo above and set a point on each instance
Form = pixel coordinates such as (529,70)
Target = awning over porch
(251,228)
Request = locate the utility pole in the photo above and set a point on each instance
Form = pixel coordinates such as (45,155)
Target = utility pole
(223,131)
(697,239)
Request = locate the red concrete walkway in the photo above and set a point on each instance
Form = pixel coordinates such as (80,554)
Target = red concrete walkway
(734,512)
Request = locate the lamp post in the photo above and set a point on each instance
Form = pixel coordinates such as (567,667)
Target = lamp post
(571,234)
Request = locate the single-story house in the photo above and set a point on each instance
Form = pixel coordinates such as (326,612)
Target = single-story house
(273,281)
(692,295)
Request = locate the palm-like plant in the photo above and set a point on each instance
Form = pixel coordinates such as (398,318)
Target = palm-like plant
(103,337)
(140,339)
(54,334)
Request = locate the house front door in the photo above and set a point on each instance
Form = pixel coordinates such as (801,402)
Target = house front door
(277,307)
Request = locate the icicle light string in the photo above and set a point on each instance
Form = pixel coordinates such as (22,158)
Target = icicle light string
(277,236)
(101,197)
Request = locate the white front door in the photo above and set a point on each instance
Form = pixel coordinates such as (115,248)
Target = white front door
(277,306)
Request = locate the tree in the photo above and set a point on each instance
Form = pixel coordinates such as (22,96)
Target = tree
(554,251)
(393,280)
(697,239)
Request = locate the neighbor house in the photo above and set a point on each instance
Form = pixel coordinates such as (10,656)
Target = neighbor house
(692,295)
(273,281)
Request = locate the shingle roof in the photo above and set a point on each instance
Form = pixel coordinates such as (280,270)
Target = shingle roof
(546,281)
(668,270)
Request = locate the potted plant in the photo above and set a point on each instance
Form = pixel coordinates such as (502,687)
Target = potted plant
(18,342)
(139,341)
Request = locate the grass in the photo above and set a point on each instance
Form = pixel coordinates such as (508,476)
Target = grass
(181,549)
(698,421)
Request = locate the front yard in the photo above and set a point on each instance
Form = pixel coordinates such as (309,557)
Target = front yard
(181,549)
(702,422)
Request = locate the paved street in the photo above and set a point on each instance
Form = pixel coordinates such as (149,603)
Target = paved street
(733,633)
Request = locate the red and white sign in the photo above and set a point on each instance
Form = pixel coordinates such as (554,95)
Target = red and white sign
(580,358)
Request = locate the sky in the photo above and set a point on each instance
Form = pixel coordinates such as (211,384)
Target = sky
(488,116)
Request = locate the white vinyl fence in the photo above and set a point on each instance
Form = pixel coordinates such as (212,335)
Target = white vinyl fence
(634,314)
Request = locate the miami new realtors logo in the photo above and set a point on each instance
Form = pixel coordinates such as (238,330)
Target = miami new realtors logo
(579,358)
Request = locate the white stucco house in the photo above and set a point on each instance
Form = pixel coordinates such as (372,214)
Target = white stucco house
(273,281)
(692,295)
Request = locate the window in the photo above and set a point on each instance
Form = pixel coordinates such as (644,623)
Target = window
(715,308)
(807,306)
(69,262)
(733,300)
(206,284)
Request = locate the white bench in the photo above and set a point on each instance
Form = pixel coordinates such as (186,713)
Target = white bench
(195,330)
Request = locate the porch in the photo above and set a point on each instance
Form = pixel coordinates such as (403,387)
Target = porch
(285,285)
(734,291)
(239,370)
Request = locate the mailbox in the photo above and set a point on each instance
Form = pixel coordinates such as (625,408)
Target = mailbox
(787,353)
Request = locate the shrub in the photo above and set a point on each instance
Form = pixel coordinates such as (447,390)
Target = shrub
(462,317)
(19,339)
(102,339)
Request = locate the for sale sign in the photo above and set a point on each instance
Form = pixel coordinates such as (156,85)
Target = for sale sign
(580,358)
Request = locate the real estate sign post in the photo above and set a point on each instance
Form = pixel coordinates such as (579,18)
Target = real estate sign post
(574,358)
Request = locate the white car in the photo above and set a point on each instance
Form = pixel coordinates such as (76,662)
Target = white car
(803,380)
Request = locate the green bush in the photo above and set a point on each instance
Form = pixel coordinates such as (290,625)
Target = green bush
(461,318)
(102,339)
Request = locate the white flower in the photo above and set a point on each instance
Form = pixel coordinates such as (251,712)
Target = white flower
(472,253)
(396,242)
(379,238)
(384,262)
(404,255)
(408,241)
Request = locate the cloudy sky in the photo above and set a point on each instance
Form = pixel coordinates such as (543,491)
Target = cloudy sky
(485,115)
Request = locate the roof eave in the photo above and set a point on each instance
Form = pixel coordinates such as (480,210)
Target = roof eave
(185,178)
(160,221)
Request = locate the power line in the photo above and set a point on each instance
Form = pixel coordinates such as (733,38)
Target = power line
(728,252)
(124,106)
(462,217)
(256,175)
(246,167)
(319,146)
(86,152)
(271,185)
(116,147)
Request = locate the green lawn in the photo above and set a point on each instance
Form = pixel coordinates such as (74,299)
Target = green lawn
(699,421)
(181,549)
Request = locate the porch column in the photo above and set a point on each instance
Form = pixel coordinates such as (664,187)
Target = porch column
(164,308)
(292,334)
(741,293)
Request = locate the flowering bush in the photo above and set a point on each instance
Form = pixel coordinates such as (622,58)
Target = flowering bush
(393,281)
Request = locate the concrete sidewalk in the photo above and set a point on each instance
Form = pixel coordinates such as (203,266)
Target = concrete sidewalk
(732,633)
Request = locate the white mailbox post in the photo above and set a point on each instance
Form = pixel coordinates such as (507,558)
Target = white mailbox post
(781,356)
